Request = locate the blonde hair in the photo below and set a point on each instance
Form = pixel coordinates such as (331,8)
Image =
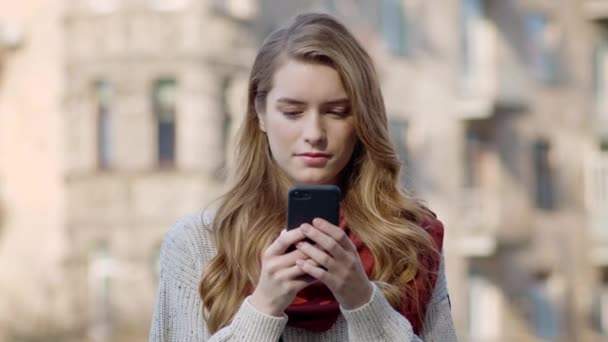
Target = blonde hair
(253,211)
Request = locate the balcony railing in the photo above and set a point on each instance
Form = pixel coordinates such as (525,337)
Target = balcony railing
(479,221)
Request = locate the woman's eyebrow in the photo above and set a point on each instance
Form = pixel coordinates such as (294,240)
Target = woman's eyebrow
(287,100)
(290,101)
(338,102)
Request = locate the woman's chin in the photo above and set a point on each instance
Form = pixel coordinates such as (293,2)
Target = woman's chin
(314,180)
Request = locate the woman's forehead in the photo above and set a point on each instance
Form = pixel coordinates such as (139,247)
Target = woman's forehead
(307,82)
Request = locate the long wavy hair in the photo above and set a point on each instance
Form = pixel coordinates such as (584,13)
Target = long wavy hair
(252,212)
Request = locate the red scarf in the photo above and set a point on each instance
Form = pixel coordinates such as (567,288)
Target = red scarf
(315,308)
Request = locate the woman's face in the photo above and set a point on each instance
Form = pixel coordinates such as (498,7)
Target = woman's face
(308,122)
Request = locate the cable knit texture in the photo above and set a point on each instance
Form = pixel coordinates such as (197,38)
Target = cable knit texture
(178,312)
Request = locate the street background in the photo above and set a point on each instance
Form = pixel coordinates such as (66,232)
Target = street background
(117,118)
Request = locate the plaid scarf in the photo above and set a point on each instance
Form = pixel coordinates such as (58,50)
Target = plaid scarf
(315,308)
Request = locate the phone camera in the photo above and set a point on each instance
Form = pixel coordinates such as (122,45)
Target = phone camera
(300,194)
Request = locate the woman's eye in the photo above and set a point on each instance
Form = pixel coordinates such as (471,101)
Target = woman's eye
(291,113)
(338,113)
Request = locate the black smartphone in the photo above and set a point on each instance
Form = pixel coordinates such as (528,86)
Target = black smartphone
(306,202)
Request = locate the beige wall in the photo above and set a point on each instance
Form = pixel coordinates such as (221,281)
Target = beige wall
(32,242)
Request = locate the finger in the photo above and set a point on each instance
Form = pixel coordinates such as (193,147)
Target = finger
(294,278)
(334,232)
(325,241)
(289,259)
(302,282)
(315,271)
(294,273)
(317,255)
(285,239)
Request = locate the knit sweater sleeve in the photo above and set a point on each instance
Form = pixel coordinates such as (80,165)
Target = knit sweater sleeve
(378,321)
(178,310)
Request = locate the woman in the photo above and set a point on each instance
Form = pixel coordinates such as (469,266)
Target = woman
(315,115)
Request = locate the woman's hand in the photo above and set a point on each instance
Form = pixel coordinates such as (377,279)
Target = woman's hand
(341,269)
(280,278)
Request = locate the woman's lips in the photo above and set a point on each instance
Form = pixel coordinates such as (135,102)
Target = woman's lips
(314,159)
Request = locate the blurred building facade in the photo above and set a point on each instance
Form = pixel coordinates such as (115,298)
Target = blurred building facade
(497,109)
(147,129)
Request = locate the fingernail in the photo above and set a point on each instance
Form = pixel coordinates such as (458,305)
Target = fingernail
(300,263)
(305,228)
(299,244)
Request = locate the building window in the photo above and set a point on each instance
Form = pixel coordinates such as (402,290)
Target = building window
(600,72)
(164,104)
(479,155)
(393,22)
(473,159)
(543,46)
(603,303)
(596,188)
(156,260)
(543,309)
(225,130)
(484,305)
(472,12)
(398,135)
(599,308)
(225,127)
(543,171)
(103,101)
(101,269)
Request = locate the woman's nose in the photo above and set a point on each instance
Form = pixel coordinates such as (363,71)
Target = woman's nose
(314,132)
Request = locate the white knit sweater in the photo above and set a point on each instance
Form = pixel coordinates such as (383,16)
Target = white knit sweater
(178,313)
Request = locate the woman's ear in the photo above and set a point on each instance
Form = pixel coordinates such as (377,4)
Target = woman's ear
(261,117)
(258,106)
(262,122)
